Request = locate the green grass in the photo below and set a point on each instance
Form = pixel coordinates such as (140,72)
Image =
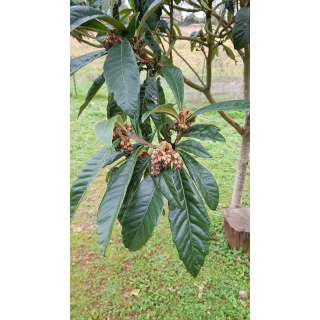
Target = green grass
(103,285)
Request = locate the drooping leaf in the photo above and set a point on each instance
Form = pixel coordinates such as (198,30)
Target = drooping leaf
(137,175)
(122,76)
(131,29)
(142,215)
(174,78)
(112,107)
(241,29)
(80,62)
(104,129)
(164,182)
(112,200)
(97,84)
(189,225)
(203,179)
(152,43)
(229,5)
(204,132)
(150,12)
(229,53)
(87,174)
(82,14)
(161,109)
(194,147)
(94,25)
(232,105)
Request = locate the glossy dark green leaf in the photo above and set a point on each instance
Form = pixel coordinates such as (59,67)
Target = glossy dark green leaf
(229,5)
(241,29)
(194,147)
(164,182)
(112,107)
(82,14)
(115,9)
(142,215)
(112,200)
(94,25)
(203,179)
(97,84)
(131,29)
(87,174)
(150,12)
(163,26)
(80,62)
(204,132)
(174,78)
(229,53)
(122,76)
(232,105)
(189,225)
(72,3)
(152,43)
(133,185)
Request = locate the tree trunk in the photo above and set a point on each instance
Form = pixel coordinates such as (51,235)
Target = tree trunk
(243,158)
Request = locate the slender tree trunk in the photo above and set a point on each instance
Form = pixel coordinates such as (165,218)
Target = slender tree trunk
(243,158)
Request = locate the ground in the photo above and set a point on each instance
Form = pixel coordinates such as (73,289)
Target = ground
(152,283)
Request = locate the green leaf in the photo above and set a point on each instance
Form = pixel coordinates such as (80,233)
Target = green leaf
(142,215)
(112,107)
(161,109)
(82,14)
(229,5)
(189,225)
(178,30)
(241,29)
(122,76)
(164,182)
(153,6)
(152,43)
(137,175)
(94,25)
(194,147)
(80,62)
(97,84)
(104,129)
(174,78)
(125,11)
(204,5)
(87,174)
(232,105)
(203,179)
(204,132)
(111,174)
(132,5)
(112,200)
(131,29)
(97,3)
(229,53)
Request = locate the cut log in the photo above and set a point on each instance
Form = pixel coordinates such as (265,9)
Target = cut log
(237,228)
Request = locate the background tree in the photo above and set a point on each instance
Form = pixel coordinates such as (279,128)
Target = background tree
(139,181)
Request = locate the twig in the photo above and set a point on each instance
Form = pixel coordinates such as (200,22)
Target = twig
(181,38)
(87,42)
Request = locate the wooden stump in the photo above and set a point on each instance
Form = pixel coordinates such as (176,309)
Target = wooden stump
(237,228)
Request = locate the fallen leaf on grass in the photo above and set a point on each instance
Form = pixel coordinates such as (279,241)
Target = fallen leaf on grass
(243,295)
(200,294)
(171,289)
(135,292)
(244,304)
(205,282)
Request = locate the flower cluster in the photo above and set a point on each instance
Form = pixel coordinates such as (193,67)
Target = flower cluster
(111,39)
(182,125)
(162,157)
(125,143)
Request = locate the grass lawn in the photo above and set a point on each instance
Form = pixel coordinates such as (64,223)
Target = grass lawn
(151,283)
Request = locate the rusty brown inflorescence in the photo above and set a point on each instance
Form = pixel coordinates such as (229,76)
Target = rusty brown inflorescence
(182,125)
(125,143)
(143,154)
(140,54)
(111,39)
(162,157)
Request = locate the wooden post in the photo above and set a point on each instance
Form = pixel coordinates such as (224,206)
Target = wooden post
(237,227)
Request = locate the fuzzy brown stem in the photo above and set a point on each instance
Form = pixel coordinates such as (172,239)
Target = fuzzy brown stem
(139,139)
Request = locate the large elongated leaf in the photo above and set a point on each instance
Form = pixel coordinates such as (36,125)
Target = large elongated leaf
(94,25)
(161,109)
(131,29)
(152,43)
(232,105)
(80,62)
(194,147)
(133,185)
(112,200)
(204,180)
(142,215)
(165,184)
(204,132)
(104,129)
(87,174)
(147,13)
(97,84)
(82,14)
(174,78)
(241,28)
(122,76)
(229,5)
(189,225)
